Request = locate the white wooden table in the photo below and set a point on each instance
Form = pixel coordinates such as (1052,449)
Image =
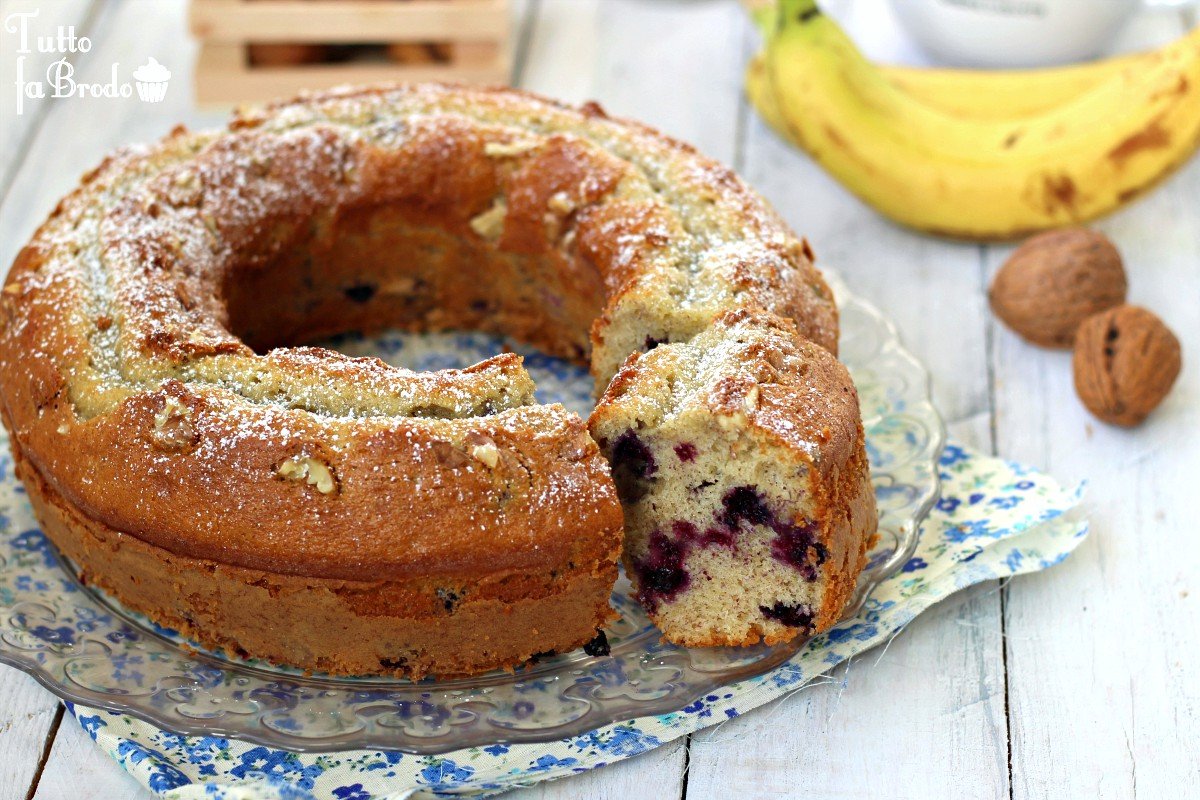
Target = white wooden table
(1080,682)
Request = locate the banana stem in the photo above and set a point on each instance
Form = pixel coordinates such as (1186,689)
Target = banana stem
(795,12)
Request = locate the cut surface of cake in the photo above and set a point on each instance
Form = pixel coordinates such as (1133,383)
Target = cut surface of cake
(739,457)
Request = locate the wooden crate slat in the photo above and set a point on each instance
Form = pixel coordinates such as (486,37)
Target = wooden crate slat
(224,77)
(349,21)
(223,57)
(476,53)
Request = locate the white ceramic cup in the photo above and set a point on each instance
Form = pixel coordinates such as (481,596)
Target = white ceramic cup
(1014,33)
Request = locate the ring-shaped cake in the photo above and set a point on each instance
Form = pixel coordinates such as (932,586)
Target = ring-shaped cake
(286,502)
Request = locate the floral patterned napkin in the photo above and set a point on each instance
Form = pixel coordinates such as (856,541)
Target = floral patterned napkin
(995,519)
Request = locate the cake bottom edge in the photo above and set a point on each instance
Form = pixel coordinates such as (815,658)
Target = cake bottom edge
(319,624)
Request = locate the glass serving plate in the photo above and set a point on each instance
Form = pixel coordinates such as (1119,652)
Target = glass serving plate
(84,647)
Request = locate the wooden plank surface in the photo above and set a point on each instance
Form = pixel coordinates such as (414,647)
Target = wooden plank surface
(675,66)
(79,770)
(18,117)
(28,715)
(1103,651)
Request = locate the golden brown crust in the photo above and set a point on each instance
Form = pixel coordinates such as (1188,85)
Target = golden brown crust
(406,499)
(825,433)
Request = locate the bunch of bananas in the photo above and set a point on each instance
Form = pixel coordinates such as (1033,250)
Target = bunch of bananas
(974,154)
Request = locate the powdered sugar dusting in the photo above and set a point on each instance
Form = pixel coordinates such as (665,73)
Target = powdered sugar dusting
(134,267)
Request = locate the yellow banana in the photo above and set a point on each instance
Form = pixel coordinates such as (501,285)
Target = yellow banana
(998,94)
(984,94)
(979,178)
(760,94)
(981,94)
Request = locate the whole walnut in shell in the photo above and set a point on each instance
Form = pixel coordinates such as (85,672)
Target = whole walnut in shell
(1125,361)
(1056,280)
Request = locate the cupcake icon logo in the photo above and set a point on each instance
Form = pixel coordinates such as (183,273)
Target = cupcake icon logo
(152,78)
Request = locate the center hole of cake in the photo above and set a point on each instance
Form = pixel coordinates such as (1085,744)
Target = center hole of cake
(397,267)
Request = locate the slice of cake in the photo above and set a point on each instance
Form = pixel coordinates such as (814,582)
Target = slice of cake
(740,460)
